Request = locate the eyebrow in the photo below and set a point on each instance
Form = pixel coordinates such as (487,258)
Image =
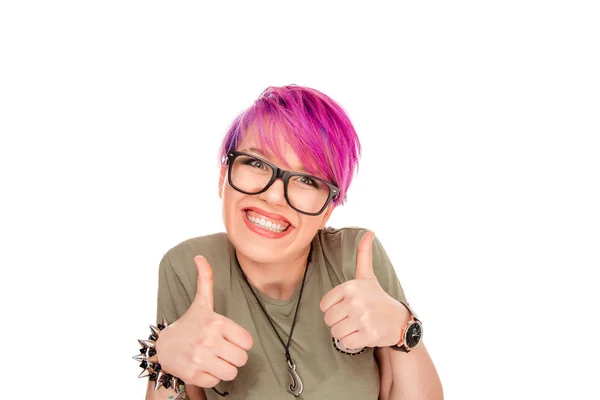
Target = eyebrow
(256,150)
(259,151)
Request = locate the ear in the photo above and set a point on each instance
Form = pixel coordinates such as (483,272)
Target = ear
(326,214)
(222,174)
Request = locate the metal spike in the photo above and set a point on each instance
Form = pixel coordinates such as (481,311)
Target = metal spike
(174,383)
(154,329)
(158,383)
(140,357)
(164,321)
(151,366)
(144,373)
(147,343)
(181,394)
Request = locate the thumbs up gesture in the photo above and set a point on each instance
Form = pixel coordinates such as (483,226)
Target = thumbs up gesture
(359,312)
(203,347)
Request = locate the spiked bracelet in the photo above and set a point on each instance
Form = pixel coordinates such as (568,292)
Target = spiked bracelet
(150,365)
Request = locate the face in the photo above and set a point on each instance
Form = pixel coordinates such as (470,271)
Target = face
(242,213)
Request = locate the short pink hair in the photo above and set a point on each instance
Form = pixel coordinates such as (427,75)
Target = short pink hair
(314,125)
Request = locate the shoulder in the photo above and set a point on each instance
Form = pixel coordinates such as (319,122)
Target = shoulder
(339,247)
(207,246)
(216,248)
(340,239)
(346,240)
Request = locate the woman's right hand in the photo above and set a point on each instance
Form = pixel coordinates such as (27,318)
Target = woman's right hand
(202,347)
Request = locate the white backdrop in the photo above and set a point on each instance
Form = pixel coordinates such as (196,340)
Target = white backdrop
(480,173)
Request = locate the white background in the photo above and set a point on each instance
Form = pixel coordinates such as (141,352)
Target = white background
(480,173)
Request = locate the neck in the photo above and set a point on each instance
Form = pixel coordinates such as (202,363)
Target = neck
(277,280)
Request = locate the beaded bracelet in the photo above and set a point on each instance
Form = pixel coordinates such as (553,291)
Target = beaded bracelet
(151,367)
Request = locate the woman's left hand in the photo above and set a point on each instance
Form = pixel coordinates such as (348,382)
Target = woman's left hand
(359,312)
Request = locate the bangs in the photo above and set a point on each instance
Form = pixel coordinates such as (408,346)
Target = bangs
(271,134)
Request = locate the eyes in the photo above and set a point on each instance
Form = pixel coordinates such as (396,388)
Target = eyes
(302,179)
(307,181)
(257,163)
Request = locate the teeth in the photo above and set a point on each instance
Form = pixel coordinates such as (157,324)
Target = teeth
(263,223)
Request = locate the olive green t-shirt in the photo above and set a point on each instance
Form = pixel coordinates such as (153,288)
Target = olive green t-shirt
(326,373)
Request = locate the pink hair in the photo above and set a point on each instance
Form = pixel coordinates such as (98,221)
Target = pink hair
(314,125)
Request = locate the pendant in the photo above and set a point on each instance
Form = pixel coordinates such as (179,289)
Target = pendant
(295,387)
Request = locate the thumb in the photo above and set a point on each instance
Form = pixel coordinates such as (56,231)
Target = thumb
(364,257)
(204,289)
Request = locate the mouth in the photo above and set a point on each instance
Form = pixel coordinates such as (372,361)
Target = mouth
(270,222)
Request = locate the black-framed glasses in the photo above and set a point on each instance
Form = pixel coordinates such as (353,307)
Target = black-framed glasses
(305,193)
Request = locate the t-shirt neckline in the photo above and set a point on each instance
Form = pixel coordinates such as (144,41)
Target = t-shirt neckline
(265,297)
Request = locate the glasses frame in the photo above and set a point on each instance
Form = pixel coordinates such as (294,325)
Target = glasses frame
(279,173)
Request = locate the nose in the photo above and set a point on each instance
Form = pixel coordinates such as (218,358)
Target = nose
(275,193)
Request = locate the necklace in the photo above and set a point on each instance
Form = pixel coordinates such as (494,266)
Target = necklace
(295,387)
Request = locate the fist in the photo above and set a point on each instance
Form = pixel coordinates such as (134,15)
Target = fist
(203,347)
(359,312)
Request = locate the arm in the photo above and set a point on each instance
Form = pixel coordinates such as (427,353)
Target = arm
(407,376)
(385,372)
(370,311)
(404,376)
(191,393)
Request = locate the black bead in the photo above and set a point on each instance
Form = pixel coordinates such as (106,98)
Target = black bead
(161,326)
(166,379)
(144,364)
(152,352)
(143,350)
(152,377)
(156,367)
(153,337)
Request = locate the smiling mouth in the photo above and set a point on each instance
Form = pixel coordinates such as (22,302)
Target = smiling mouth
(269,224)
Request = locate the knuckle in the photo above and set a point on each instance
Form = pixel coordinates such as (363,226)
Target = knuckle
(349,289)
(364,322)
(198,358)
(192,374)
(208,342)
(374,332)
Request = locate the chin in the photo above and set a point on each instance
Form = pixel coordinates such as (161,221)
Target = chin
(253,245)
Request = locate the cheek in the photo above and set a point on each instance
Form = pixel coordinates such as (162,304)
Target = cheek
(309,226)
(230,201)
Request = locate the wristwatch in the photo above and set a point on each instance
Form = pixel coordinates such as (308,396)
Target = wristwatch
(411,335)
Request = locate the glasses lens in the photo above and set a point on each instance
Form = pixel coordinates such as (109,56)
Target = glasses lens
(250,174)
(307,194)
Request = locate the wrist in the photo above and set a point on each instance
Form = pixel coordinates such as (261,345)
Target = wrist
(411,329)
(403,317)
(151,365)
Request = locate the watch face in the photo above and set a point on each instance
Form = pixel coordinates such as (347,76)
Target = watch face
(413,335)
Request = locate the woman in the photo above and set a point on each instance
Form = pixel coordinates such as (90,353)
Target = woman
(280,306)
